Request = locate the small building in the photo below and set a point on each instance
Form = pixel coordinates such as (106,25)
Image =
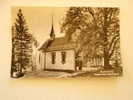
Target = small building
(57,53)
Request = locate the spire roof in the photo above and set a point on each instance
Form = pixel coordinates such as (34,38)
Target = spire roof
(52,29)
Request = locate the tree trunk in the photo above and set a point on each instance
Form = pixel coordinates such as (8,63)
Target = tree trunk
(106,60)
(106,43)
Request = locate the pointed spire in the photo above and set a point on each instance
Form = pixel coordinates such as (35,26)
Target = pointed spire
(52,35)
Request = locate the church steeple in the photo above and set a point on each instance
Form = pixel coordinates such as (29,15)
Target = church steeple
(52,34)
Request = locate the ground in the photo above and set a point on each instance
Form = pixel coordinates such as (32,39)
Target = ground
(54,74)
(67,74)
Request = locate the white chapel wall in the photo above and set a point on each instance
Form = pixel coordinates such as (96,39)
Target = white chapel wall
(68,65)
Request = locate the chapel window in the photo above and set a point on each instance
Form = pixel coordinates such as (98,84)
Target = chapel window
(63,55)
(53,54)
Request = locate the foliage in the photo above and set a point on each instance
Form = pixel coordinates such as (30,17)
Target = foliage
(95,30)
(21,42)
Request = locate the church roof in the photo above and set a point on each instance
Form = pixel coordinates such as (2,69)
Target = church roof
(56,43)
(59,43)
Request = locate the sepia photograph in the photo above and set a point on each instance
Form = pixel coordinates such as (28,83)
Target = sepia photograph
(65,42)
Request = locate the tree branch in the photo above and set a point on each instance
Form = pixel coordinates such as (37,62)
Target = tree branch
(93,15)
(113,40)
(112,51)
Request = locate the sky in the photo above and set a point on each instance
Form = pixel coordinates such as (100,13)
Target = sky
(39,20)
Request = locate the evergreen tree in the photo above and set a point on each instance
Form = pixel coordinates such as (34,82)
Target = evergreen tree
(22,44)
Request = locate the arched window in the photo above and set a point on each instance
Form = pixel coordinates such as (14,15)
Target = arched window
(53,55)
